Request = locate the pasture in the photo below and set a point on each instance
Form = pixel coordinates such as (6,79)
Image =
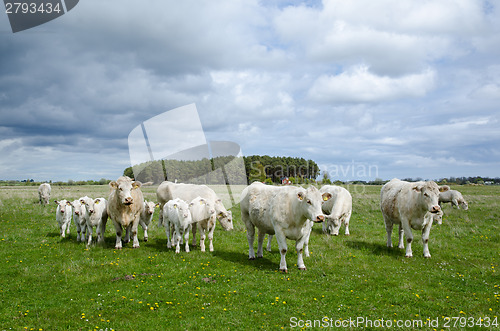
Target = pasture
(51,283)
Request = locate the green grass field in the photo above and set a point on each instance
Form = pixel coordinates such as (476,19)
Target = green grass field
(51,283)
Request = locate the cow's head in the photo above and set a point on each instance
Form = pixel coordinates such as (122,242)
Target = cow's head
(463,203)
(428,195)
(310,201)
(332,225)
(438,217)
(124,187)
(91,205)
(63,205)
(77,207)
(224,216)
(201,208)
(181,208)
(149,207)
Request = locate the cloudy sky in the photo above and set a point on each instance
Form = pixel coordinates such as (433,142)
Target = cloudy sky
(365,88)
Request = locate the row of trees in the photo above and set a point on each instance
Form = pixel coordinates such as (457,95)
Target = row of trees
(227,169)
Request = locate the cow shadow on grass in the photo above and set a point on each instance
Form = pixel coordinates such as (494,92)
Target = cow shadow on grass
(375,248)
(242,259)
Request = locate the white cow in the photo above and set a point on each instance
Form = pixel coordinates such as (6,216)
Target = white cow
(410,205)
(125,205)
(44,193)
(147,216)
(337,210)
(97,217)
(63,216)
(287,212)
(176,215)
(80,219)
(454,197)
(203,214)
(187,192)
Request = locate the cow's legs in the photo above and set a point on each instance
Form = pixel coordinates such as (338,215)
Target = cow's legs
(83,233)
(425,237)
(194,227)
(145,228)
(260,242)
(299,245)
(210,236)
(127,234)
(250,238)
(281,238)
(202,239)
(89,235)
(101,229)
(186,237)
(135,237)
(269,240)
(306,239)
(409,237)
(168,232)
(401,236)
(388,229)
(347,218)
(119,231)
(160,217)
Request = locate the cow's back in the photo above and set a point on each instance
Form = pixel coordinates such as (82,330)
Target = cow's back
(341,199)
(168,191)
(390,194)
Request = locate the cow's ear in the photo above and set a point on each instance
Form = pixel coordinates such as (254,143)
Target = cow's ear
(418,188)
(68,203)
(326,196)
(191,204)
(56,202)
(175,206)
(157,205)
(113,184)
(136,184)
(444,188)
(300,196)
(96,201)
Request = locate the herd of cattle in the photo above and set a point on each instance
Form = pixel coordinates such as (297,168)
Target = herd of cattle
(286,212)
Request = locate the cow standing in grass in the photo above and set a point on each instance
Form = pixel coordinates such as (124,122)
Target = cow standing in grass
(80,219)
(203,214)
(168,191)
(63,216)
(97,217)
(411,206)
(44,193)
(287,212)
(147,216)
(177,217)
(125,205)
(337,210)
(454,197)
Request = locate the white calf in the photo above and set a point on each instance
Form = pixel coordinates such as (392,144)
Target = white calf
(176,214)
(63,216)
(203,214)
(79,218)
(146,217)
(98,216)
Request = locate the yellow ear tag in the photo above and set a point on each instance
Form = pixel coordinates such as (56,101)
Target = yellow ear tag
(97,202)
(201,202)
(325,198)
(175,206)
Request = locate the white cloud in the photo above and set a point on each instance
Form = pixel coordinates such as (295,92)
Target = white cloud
(360,85)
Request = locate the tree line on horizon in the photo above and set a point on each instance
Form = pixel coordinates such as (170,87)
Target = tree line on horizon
(227,169)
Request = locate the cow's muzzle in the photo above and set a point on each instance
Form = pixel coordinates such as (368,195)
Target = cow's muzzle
(319,219)
(128,201)
(435,209)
